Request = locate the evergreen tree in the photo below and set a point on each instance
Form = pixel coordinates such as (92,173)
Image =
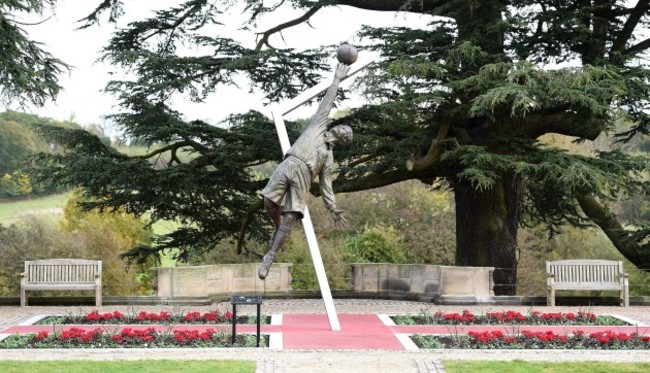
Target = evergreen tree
(28,73)
(463,100)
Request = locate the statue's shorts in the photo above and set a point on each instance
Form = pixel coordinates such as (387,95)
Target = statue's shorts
(289,184)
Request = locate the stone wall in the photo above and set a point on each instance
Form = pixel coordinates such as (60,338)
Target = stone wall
(201,281)
(442,284)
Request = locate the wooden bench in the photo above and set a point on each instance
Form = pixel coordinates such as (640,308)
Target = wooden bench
(61,274)
(585,274)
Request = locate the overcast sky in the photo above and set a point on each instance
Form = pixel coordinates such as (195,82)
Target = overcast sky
(82,97)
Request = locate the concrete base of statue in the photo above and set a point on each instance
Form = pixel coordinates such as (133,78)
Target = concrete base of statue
(441,284)
(201,281)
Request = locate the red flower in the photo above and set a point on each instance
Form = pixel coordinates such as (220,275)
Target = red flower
(192,316)
(211,317)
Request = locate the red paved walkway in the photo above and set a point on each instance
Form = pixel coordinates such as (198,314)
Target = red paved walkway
(358,331)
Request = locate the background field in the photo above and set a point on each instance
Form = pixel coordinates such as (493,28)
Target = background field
(50,206)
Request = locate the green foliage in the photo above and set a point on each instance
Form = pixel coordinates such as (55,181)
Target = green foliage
(571,243)
(106,235)
(336,261)
(84,235)
(379,244)
(208,192)
(17,143)
(469,95)
(15,185)
(28,73)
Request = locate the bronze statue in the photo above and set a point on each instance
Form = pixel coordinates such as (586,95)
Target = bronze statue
(310,156)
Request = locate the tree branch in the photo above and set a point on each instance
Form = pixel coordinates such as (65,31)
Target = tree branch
(266,34)
(173,148)
(630,24)
(433,155)
(380,179)
(28,23)
(362,160)
(637,48)
(607,221)
(421,6)
(561,121)
(246,222)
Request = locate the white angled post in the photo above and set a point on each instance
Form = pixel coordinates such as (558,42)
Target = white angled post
(278,118)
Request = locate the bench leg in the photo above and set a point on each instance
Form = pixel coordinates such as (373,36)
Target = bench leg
(98,297)
(23,297)
(550,296)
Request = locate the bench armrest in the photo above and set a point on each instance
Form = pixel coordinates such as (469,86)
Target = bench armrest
(550,275)
(23,274)
(623,275)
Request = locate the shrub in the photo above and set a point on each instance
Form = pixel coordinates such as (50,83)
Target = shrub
(378,244)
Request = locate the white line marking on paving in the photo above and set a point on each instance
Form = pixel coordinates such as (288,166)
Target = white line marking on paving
(405,340)
(276,319)
(386,319)
(276,341)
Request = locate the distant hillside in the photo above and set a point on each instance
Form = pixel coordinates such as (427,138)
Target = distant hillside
(17,143)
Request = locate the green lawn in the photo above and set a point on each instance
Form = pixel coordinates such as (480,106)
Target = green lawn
(519,366)
(10,212)
(140,366)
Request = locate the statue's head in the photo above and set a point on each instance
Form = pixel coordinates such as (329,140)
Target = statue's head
(341,134)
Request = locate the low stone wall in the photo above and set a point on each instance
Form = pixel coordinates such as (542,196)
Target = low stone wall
(442,284)
(201,281)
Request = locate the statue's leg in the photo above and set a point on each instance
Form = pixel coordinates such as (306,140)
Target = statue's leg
(288,220)
(274,213)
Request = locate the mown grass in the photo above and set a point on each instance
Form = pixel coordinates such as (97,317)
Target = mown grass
(520,366)
(141,366)
(11,212)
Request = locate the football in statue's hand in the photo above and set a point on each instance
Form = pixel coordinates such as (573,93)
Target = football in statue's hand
(347,54)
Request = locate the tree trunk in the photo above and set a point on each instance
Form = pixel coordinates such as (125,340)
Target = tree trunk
(486,229)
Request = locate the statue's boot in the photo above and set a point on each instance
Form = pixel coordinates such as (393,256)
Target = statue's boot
(266,265)
(280,236)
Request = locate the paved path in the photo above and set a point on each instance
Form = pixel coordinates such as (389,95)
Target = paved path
(309,346)
(313,332)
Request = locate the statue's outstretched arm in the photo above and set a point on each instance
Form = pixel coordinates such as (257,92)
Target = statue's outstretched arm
(327,193)
(325,106)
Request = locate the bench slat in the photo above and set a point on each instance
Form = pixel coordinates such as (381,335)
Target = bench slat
(586,275)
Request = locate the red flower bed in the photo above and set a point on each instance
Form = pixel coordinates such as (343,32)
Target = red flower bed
(127,338)
(508,317)
(496,339)
(143,317)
